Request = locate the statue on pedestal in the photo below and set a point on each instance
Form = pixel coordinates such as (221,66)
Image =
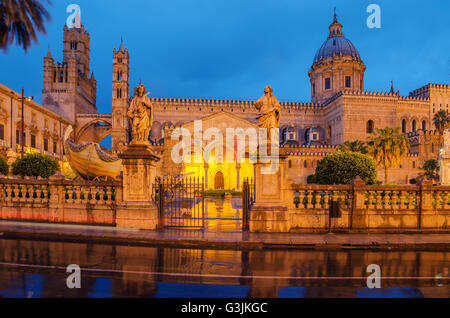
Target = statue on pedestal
(269,110)
(141,115)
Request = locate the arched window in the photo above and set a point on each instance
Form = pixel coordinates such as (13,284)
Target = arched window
(404,126)
(370,127)
(305,164)
(413,125)
(424,125)
(348,82)
(329,132)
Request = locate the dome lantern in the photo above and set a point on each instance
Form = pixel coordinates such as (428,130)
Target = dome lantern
(335,28)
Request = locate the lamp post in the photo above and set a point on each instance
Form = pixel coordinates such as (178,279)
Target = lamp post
(22,128)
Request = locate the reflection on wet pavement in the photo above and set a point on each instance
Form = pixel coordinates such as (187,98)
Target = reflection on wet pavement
(38,269)
(223,215)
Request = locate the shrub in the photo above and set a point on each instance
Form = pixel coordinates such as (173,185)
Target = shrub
(342,167)
(35,165)
(4,168)
(311,179)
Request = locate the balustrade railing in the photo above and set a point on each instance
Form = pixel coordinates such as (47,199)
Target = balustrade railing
(62,191)
(379,197)
(320,197)
(391,197)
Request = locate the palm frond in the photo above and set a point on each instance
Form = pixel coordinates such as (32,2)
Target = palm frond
(20,20)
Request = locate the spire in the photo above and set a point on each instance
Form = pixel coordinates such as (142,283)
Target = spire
(49,53)
(121,49)
(392,88)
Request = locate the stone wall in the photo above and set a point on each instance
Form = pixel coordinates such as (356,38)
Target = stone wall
(302,161)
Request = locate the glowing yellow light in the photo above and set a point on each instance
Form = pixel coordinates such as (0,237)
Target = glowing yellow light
(229,171)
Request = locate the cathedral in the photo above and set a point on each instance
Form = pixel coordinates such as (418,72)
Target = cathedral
(340,110)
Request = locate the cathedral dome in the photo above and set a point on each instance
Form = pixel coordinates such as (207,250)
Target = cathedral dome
(336,44)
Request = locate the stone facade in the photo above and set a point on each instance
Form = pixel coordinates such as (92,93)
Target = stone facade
(43,128)
(340,109)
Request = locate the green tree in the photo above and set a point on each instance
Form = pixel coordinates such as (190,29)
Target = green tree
(441,121)
(311,179)
(431,168)
(4,168)
(354,146)
(342,167)
(35,165)
(21,20)
(388,146)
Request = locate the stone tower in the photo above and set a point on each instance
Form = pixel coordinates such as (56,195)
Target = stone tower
(120,97)
(68,88)
(337,66)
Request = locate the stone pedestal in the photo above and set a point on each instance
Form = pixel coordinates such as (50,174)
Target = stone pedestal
(137,209)
(269,213)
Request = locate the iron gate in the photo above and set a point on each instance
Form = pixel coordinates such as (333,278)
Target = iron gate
(248,198)
(180,201)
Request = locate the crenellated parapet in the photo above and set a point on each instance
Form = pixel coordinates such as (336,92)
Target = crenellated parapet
(308,147)
(310,151)
(218,103)
(373,94)
(426,90)
(422,133)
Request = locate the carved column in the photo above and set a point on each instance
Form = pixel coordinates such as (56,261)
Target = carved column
(238,170)
(206,175)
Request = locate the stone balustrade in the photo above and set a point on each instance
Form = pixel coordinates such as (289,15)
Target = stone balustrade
(363,207)
(60,201)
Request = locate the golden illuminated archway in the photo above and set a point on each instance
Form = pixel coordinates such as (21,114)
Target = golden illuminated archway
(231,172)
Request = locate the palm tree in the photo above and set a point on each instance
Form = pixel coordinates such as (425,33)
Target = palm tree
(21,20)
(354,146)
(441,121)
(388,146)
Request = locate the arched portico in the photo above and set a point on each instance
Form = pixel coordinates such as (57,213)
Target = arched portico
(92,128)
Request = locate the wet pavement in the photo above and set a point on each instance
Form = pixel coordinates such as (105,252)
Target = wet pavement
(38,269)
(219,261)
(223,227)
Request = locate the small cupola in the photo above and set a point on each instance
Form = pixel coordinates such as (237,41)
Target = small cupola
(335,28)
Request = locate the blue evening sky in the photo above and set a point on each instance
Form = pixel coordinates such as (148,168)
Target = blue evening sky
(231,49)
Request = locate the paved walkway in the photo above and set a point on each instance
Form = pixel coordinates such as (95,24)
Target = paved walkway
(10,229)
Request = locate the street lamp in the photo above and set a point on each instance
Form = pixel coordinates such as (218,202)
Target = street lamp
(22,129)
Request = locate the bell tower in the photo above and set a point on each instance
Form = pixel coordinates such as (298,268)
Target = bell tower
(69,88)
(120,97)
